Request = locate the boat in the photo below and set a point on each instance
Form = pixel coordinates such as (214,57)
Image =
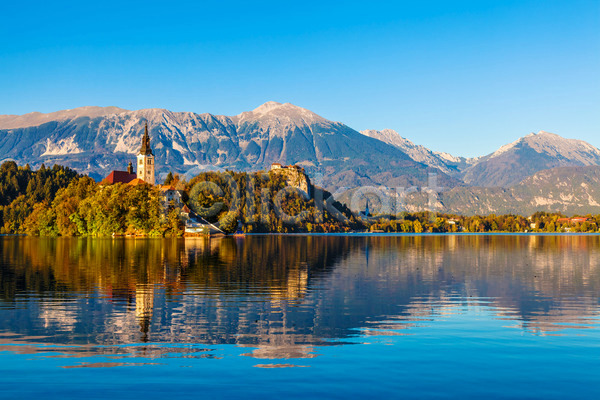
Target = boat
(239,233)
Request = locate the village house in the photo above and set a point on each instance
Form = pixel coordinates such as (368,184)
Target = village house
(170,196)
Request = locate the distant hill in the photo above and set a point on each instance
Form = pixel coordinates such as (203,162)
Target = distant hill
(568,190)
(97,140)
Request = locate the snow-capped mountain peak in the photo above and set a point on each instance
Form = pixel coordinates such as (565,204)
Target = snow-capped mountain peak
(273,113)
(265,108)
(554,145)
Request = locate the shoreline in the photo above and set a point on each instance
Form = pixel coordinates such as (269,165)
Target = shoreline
(321,234)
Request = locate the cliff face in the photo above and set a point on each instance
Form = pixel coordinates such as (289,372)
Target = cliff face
(294,177)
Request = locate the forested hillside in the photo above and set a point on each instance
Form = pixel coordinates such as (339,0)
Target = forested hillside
(21,189)
(58,202)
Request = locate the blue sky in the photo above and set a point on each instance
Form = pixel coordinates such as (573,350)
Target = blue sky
(459,76)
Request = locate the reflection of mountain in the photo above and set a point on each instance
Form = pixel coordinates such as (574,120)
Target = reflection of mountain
(285,294)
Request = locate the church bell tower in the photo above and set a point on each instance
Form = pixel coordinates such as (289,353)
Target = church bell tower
(145,165)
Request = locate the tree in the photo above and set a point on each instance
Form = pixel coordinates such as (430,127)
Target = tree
(229,222)
(169,179)
(417,227)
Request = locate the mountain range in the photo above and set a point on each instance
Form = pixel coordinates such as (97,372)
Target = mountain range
(96,140)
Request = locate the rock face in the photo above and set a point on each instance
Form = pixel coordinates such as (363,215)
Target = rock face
(294,176)
(184,142)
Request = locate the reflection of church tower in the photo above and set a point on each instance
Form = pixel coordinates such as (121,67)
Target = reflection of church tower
(145,167)
(144,308)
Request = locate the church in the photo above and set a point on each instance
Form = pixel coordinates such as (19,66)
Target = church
(145,167)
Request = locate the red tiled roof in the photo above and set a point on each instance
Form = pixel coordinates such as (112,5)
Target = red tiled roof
(573,220)
(137,181)
(119,177)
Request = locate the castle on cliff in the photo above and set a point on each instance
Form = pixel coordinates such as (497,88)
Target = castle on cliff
(294,176)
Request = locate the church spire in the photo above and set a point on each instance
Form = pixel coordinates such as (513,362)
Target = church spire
(145,167)
(146,150)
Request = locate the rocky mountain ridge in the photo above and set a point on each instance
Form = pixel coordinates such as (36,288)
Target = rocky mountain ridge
(506,166)
(445,162)
(37,118)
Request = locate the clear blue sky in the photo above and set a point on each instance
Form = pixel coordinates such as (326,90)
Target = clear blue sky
(460,76)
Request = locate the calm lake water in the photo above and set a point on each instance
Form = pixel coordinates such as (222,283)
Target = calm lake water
(482,316)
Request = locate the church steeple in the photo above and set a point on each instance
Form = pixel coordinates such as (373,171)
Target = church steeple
(145,167)
(146,149)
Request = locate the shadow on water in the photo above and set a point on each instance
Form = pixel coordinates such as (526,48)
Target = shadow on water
(282,296)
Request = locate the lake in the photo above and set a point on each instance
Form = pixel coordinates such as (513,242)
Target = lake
(405,316)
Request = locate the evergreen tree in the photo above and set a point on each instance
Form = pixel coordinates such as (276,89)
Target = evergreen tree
(169,179)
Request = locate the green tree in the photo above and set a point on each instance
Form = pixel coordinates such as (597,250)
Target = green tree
(169,179)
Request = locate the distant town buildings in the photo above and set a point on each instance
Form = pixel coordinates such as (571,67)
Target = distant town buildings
(574,221)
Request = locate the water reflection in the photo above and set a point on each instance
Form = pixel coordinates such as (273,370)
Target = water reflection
(281,296)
